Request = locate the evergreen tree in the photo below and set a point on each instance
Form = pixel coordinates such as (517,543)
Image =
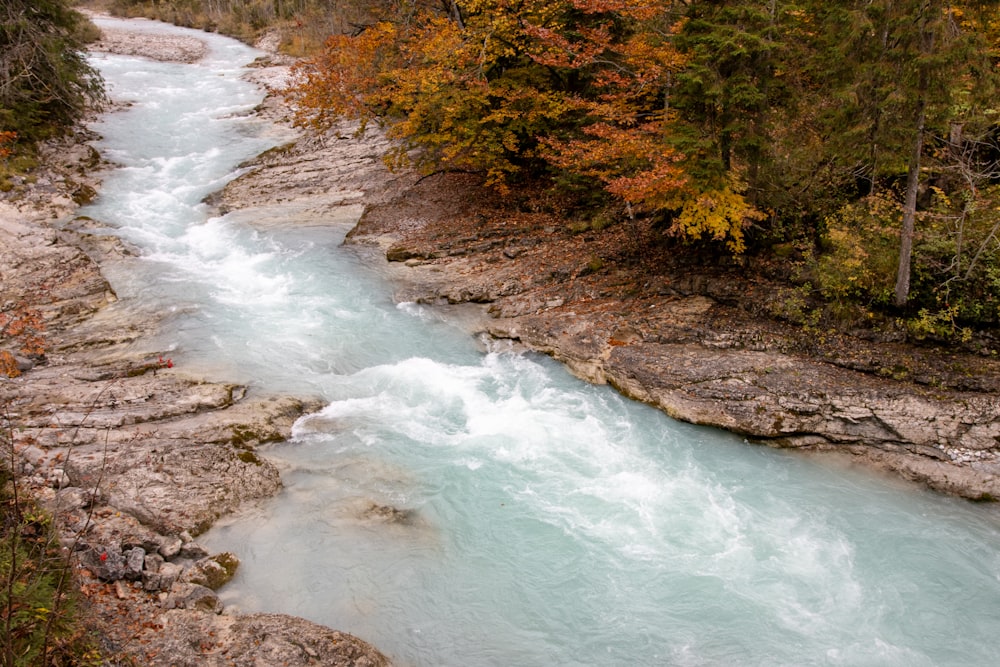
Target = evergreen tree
(734,82)
(897,69)
(45,82)
(745,108)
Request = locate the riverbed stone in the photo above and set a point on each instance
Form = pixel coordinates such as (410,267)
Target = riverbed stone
(170,546)
(71,498)
(168,574)
(135,561)
(193,550)
(152,563)
(167,48)
(213,571)
(106,562)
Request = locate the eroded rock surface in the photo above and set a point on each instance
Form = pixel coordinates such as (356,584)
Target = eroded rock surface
(135,42)
(254,640)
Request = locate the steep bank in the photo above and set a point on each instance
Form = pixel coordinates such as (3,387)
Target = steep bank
(690,340)
(134,456)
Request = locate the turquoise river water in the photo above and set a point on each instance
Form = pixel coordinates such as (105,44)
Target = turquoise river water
(543,521)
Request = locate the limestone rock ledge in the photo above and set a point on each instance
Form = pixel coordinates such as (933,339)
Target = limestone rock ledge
(257,639)
(945,439)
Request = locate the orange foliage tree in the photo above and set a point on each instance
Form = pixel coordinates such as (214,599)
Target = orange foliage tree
(628,141)
(575,89)
(458,86)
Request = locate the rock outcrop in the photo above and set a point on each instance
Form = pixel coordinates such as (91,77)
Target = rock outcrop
(947,439)
(255,639)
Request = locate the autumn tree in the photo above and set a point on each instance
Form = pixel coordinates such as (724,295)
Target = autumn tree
(455,85)
(571,89)
(771,120)
(7,141)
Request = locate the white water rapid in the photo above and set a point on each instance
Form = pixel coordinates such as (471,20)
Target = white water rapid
(541,521)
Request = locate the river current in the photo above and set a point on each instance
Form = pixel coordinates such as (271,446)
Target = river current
(463,507)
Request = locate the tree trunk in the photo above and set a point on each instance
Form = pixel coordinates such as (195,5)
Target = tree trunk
(913,173)
(910,211)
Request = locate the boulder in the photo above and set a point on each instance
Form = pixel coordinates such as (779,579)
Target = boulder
(106,562)
(135,562)
(214,571)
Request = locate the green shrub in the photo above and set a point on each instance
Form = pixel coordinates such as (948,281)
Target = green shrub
(955,280)
(39,624)
(957,259)
(860,253)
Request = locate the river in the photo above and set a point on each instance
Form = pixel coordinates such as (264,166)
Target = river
(457,505)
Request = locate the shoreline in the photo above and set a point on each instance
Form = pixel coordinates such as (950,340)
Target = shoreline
(686,342)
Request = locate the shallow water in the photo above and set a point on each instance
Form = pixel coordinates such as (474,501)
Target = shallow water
(456,507)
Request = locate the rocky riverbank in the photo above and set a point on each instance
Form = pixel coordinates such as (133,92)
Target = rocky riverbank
(691,340)
(134,456)
(618,308)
